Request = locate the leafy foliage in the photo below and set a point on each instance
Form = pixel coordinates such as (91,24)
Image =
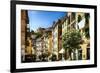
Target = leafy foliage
(72,39)
(38,34)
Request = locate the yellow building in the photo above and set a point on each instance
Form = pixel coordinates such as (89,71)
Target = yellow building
(68,24)
(64,30)
(78,21)
(64,25)
(24,22)
(83,26)
(57,39)
(49,43)
(29,46)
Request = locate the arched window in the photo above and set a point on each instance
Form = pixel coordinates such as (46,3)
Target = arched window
(69,20)
(73,16)
(87,16)
(79,18)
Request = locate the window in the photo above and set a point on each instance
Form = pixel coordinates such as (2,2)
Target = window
(69,20)
(87,16)
(79,18)
(73,16)
(88,53)
(62,25)
(66,22)
(80,54)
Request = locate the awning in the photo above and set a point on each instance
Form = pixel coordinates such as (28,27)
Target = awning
(62,51)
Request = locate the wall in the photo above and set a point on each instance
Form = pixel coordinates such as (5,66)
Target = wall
(5,37)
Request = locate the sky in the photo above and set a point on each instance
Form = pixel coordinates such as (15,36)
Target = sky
(43,19)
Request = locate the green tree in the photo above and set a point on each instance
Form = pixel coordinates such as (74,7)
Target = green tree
(72,40)
(32,32)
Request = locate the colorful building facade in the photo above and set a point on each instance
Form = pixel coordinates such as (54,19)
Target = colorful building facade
(48,41)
